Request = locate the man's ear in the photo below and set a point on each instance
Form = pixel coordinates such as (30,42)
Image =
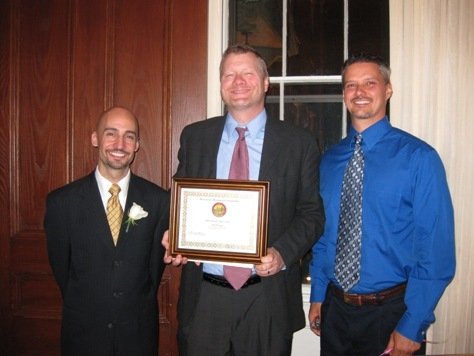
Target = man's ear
(94,140)
(388,92)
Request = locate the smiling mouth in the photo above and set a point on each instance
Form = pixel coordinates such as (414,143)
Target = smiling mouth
(361,101)
(239,89)
(118,154)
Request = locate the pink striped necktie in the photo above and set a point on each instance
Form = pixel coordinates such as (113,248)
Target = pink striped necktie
(239,169)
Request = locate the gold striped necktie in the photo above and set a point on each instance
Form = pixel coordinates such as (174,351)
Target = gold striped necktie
(114,212)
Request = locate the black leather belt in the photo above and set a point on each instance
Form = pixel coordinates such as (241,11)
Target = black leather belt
(222,282)
(369,299)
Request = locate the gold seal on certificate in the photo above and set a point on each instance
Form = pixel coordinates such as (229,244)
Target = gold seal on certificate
(219,220)
(218,209)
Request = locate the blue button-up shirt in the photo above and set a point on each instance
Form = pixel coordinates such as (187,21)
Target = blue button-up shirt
(407,222)
(254,139)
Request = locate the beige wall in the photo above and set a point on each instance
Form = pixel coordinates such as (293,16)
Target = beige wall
(432,60)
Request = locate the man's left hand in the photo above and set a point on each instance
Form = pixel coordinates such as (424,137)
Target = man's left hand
(272,263)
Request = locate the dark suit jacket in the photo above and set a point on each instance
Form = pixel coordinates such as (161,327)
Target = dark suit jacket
(289,161)
(109,292)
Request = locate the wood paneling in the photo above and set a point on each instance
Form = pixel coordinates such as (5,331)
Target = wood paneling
(34,336)
(187,38)
(6,111)
(61,63)
(91,23)
(41,125)
(139,77)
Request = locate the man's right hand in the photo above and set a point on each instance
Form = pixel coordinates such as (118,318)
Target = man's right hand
(168,259)
(314,317)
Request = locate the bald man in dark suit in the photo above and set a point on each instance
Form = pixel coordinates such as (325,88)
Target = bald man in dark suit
(108,284)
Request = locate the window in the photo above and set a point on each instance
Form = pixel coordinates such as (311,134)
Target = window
(304,43)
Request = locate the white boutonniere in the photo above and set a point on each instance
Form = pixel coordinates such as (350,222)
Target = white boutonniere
(135,213)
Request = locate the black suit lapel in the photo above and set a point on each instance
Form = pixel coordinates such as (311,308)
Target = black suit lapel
(272,148)
(200,148)
(133,196)
(94,211)
(211,145)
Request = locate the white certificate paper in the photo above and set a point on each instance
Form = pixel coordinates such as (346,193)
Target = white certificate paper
(219,220)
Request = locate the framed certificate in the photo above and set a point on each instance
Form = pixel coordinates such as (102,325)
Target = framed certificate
(219,220)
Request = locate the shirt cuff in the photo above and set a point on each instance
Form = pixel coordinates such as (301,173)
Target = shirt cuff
(413,329)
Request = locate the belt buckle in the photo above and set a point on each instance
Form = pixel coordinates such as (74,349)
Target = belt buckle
(352,299)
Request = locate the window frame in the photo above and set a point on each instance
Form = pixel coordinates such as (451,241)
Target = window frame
(218,41)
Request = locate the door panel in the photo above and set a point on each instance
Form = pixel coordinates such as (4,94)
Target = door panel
(61,64)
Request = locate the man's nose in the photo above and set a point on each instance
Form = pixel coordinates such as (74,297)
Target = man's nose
(120,142)
(359,88)
(239,79)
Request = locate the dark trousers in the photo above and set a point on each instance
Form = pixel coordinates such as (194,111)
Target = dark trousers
(233,323)
(358,330)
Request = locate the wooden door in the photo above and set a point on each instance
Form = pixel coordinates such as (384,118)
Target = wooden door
(61,63)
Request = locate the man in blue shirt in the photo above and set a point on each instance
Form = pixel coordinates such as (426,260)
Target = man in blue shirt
(407,255)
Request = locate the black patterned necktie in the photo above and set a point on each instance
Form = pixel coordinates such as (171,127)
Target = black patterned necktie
(239,169)
(349,235)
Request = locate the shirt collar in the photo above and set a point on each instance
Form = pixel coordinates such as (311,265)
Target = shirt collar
(254,127)
(104,184)
(372,134)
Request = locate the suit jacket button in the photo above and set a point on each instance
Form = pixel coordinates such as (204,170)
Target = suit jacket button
(110,325)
